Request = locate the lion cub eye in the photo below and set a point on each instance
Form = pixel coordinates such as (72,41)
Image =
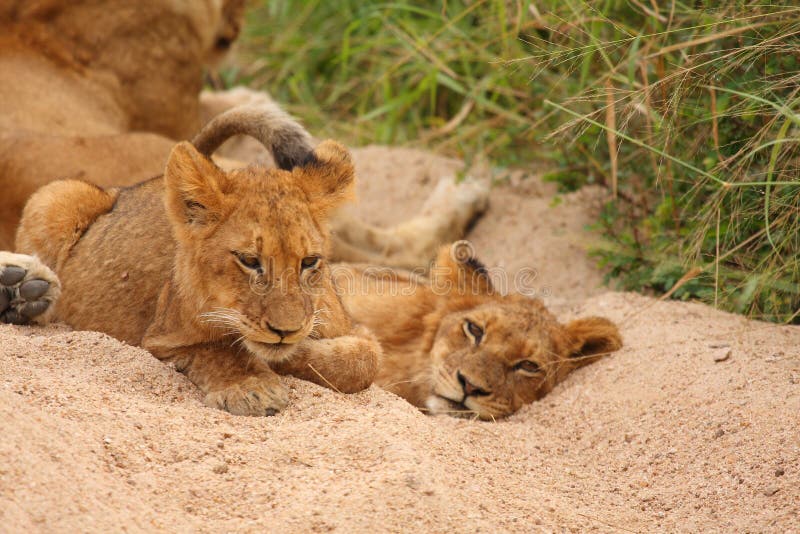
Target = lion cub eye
(248,261)
(309,262)
(473,331)
(527,366)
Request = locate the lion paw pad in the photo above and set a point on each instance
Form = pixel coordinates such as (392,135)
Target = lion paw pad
(27,289)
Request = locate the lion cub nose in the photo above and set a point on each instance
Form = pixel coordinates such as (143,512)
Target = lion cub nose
(470,388)
(281,333)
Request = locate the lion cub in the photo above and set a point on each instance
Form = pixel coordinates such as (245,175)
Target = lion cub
(223,273)
(452,344)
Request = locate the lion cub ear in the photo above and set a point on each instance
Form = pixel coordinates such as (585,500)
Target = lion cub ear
(193,187)
(457,269)
(327,176)
(591,338)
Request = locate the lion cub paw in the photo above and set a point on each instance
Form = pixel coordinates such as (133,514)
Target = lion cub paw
(463,201)
(256,395)
(28,289)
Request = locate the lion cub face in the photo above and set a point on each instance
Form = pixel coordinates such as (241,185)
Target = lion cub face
(492,354)
(492,358)
(252,244)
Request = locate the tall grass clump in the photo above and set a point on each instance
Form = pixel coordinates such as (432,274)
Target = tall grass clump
(688,112)
(691,114)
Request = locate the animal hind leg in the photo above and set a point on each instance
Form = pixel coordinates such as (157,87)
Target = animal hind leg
(57,215)
(445,217)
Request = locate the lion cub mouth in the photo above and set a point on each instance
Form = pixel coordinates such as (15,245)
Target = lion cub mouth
(270,352)
(438,404)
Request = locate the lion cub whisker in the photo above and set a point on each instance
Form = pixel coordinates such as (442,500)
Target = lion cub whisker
(223,316)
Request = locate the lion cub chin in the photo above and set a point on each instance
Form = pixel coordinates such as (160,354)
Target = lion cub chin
(223,273)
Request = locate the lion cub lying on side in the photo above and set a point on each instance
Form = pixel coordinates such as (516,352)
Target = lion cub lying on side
(453,345)
(222,273)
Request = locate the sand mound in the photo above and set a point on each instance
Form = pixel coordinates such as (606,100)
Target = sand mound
(97,435)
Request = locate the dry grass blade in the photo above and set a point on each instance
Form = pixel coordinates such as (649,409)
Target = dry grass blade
(690,274)
(715,121)
(452,124)
(651,12)
(716,264)
(334,388)
(708,38)
(611,135)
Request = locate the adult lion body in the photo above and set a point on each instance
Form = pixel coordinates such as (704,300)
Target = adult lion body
(101,90)
(452,344)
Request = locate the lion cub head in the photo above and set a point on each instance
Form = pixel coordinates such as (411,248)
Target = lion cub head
(494,353)
(251,244)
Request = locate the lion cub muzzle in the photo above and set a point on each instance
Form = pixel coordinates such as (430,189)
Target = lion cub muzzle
(285,318)
(288,315)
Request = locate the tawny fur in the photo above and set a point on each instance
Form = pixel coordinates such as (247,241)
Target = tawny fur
(420,323)
(101,92)
(159,265)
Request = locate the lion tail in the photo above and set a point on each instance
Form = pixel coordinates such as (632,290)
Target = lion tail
(282,135)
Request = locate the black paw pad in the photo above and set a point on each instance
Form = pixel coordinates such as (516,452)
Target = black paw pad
(11,275)
(33,309)
(33,289)
(5,299)
(20,300)
(13,317)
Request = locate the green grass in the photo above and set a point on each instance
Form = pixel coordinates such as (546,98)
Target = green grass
(686,111)
(398,73)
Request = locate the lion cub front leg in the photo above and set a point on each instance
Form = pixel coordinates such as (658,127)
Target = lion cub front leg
(346,363)
(233,382)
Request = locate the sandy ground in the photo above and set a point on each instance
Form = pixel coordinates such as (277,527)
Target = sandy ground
(96,435)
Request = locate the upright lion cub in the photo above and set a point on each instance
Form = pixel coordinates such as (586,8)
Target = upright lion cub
(223,273)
